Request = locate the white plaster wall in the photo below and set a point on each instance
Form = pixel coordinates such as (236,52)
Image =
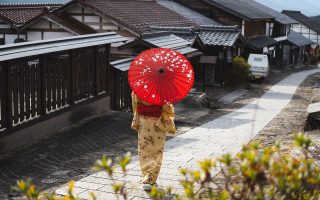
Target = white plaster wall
(53,35)
(4,26)
(96,27)
(110,28)
(34,35)
(10,38)
(91,18)
(22,36)
(305,32)
(269,28)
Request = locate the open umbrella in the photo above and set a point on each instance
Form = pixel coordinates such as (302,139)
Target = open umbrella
(161,76)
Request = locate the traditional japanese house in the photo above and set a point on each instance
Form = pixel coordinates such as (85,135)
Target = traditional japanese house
(14,16)
(48,25)
(298,45)
(132,19)
(31,22)
(250,20)
(126,17)
(219,43)
(265,30)
(290,47)
(277,29)
(307,27)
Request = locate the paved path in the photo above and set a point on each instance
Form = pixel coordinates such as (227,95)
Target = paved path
(225,134)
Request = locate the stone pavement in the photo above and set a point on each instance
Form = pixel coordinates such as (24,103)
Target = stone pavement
(223,135)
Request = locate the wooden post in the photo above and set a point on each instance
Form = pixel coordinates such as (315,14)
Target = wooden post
(108,81)
(6,95)
(72,78)
(204,78)
(96,58)
(3,96)
(112,89)
(41,96)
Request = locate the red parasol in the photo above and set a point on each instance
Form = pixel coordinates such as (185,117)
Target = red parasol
(161,76)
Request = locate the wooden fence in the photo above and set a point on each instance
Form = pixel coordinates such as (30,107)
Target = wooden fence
(32,87)
(121,92)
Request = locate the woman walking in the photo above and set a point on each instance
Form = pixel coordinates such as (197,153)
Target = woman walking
(152,122)
(158,78)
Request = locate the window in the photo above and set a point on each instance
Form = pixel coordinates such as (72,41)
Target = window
(258,59)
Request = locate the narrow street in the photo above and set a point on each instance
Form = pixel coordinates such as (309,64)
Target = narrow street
(237,71)
(226,134)
(55,161)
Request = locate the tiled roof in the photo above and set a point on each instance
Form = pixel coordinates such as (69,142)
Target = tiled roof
(171,41)
(33,2)
(18,15)
(307,21)
(24,49)
(260,42)
(298,39)
(137,15)
(186,33)
(244,9)
(219,37)
(122,64)
(208,35)
(162,40)
(279,17)
(187,13)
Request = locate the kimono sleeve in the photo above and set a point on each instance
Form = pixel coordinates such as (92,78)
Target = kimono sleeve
(166,121)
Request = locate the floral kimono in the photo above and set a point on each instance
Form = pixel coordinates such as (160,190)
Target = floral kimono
(152,128)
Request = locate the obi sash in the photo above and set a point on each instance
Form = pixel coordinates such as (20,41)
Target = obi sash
(149,110)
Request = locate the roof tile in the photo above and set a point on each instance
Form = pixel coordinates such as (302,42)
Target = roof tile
(139,15)
(298,39)
(242,8)
(20,14)
(218,38)
(261,41)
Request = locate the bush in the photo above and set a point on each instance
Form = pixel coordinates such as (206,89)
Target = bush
(255,173)
(240,72)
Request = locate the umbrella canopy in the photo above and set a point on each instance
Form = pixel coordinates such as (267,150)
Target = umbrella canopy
(161,76)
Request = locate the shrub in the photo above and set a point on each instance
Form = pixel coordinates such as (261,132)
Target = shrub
(255,173)
(239,72)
